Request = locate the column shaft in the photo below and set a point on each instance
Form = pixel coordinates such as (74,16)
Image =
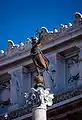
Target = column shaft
(39,114)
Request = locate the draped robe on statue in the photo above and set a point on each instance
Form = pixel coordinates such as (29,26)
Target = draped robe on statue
(40,61)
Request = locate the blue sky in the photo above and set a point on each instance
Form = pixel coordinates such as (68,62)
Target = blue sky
(20,18)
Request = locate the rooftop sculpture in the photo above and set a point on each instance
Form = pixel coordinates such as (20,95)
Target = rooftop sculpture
(63,30)
(40,61)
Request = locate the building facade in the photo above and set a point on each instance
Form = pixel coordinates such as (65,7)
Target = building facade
(63,47)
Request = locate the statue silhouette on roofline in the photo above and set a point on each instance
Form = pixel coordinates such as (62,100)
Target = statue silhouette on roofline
(39,59)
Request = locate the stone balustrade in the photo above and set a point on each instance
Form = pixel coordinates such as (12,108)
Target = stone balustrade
(47,35)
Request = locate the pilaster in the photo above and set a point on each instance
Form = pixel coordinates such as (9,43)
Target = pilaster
(19,84)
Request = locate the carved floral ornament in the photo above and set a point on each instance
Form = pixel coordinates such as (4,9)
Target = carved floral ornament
(47,35)
(39,97)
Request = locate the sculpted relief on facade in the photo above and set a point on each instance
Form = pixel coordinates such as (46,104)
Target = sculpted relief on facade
(74,71)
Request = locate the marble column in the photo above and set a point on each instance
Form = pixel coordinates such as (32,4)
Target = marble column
(39,114)
(38,100)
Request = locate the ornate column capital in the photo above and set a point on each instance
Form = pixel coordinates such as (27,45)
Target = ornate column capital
(39,98)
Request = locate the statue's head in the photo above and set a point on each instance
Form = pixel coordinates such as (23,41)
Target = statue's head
(34,39)
(78,15)
(10,43)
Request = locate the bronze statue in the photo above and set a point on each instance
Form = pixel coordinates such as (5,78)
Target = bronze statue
(39,60)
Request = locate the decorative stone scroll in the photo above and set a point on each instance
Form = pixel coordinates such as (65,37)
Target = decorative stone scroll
(39,97)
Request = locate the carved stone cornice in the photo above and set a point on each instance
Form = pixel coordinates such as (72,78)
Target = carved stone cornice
(64,32)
